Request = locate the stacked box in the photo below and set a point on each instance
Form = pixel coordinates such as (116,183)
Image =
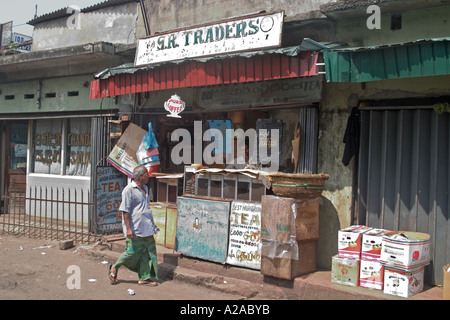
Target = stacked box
(404,255)
(289,233)
(372,271)
(345,271)
(371,275)
(372,244)
(284,266)
(345,267)
(403,283)
(446,284)
(349,244)
(405,250)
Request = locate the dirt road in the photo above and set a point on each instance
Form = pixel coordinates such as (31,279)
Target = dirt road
(39,270)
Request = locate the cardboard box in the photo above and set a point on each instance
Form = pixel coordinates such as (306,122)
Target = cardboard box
(371,244)
(345,271)
(123,156)
(403,283)
(405,250)
(286,267)
(349,241)
(285,219)
(371,275)
(446,285)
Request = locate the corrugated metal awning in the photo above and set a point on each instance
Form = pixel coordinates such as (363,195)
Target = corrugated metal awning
(428,57)
(282,63)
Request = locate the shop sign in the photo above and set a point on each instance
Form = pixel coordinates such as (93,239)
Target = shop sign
(174,105)
(6,34)
(48,148)
(110,184)
(266,93)
(245,235)
(252,32)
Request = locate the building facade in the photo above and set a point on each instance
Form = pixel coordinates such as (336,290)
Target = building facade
(334,57)
(395,69)
(52,135)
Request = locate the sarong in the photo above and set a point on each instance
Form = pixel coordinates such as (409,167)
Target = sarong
(140,257)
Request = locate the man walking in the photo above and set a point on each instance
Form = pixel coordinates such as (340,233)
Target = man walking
(138,228)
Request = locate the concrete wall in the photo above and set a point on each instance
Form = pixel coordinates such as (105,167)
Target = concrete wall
(416,24)
(61,188)
(62,101)
(166,15)
(117,24)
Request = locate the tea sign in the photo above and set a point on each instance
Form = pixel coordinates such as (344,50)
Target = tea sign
(174,105)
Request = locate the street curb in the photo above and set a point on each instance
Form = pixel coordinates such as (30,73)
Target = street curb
(250,284)
(170,271)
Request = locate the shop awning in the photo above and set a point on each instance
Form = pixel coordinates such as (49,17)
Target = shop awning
(428,57)
(282,63)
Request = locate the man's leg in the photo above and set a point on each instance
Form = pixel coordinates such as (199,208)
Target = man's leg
(149,263)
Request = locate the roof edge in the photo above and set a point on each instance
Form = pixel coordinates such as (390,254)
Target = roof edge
(62,13)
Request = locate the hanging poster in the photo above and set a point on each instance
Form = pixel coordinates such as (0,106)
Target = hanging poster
(110,184)
(244,247)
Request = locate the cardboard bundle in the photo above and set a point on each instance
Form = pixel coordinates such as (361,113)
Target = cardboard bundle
(403,283)
(289,233)
(404,255)
(345,267)
(349,244)
(372,271)
(405,250)
(385,260)
(345,271)
(359,246)
(123,156)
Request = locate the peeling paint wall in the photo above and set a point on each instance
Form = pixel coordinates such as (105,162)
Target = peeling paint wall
(336,200)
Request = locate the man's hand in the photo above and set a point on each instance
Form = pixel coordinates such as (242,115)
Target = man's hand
(126,218)
(130,234)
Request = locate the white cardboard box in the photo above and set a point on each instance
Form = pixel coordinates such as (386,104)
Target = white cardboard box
(345,271)
(403,283)
(371,244)
(405,253)
(371,275)
(349,241)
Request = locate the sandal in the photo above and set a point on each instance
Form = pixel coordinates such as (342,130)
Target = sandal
(147,283)
(112,276)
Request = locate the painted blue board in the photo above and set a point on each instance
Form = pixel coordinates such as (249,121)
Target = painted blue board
(110,183)
(203,228)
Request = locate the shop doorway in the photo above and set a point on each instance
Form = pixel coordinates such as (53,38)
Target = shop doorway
(16,142)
